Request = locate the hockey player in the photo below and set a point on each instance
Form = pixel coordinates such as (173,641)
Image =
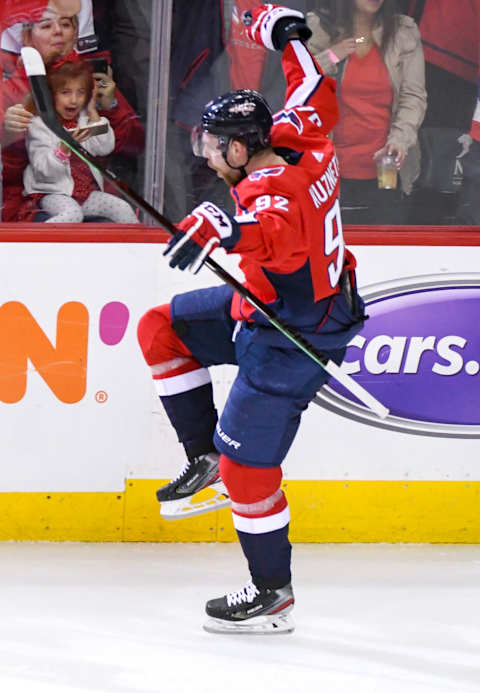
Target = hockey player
(288,232)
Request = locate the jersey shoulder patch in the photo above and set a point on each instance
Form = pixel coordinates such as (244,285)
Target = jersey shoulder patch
(266,172)
(289,117)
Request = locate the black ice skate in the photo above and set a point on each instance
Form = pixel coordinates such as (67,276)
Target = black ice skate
(255,610)
(197,474)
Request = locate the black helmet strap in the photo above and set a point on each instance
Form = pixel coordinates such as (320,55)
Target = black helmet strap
(250,153)
(240,168)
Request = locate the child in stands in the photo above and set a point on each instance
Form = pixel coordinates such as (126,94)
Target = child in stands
(62,185)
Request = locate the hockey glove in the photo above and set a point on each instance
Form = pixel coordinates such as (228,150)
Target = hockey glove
(199,234)
(272,25)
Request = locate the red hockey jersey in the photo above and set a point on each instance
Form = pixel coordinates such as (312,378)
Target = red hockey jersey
(291,245)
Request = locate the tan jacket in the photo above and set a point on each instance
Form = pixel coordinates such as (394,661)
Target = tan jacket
(406,67)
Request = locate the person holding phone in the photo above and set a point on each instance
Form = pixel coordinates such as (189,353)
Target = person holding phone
(103,76)
(66,187)
(54,37)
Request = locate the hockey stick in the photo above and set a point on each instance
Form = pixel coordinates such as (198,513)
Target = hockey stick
(35,70)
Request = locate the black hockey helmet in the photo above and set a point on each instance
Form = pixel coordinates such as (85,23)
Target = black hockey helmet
(237,114)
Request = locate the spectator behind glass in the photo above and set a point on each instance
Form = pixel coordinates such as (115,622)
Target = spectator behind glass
(11,38)
(450,34)
(377,59)
(64,185)
(54,39)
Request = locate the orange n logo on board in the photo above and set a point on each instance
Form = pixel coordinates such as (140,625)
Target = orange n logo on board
(63,367)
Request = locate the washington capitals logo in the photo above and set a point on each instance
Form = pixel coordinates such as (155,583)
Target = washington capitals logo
(264,172)
(243,108)
(289,117)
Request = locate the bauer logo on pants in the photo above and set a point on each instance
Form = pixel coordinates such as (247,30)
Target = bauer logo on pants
(419,354)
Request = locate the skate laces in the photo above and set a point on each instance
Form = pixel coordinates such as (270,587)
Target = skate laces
(182,472)
(247,594)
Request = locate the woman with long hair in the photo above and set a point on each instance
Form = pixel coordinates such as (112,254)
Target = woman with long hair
(377,58)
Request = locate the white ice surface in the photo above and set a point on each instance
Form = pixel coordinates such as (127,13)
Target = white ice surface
(127,617)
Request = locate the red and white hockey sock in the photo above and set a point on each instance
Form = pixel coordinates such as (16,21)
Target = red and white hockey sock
(182,383)
(261,517)
(174,369)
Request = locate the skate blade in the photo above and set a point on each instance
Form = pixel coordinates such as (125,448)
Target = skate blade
(259,625)
(183,508)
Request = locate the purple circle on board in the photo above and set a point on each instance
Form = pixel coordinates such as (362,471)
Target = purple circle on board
(435,389)
(113,322)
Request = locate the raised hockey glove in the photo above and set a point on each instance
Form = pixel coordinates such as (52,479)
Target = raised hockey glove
(205,228)
(272,25)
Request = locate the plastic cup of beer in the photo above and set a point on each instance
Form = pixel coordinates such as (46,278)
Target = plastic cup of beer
(387,172)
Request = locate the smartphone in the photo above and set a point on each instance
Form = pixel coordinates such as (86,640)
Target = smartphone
(93,128)
(99,65)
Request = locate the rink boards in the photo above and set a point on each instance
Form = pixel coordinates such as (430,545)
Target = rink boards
(85,442)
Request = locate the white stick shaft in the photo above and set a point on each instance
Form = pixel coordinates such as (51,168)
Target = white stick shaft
(356,389)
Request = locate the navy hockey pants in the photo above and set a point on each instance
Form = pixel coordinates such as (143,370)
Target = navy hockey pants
(273,385)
